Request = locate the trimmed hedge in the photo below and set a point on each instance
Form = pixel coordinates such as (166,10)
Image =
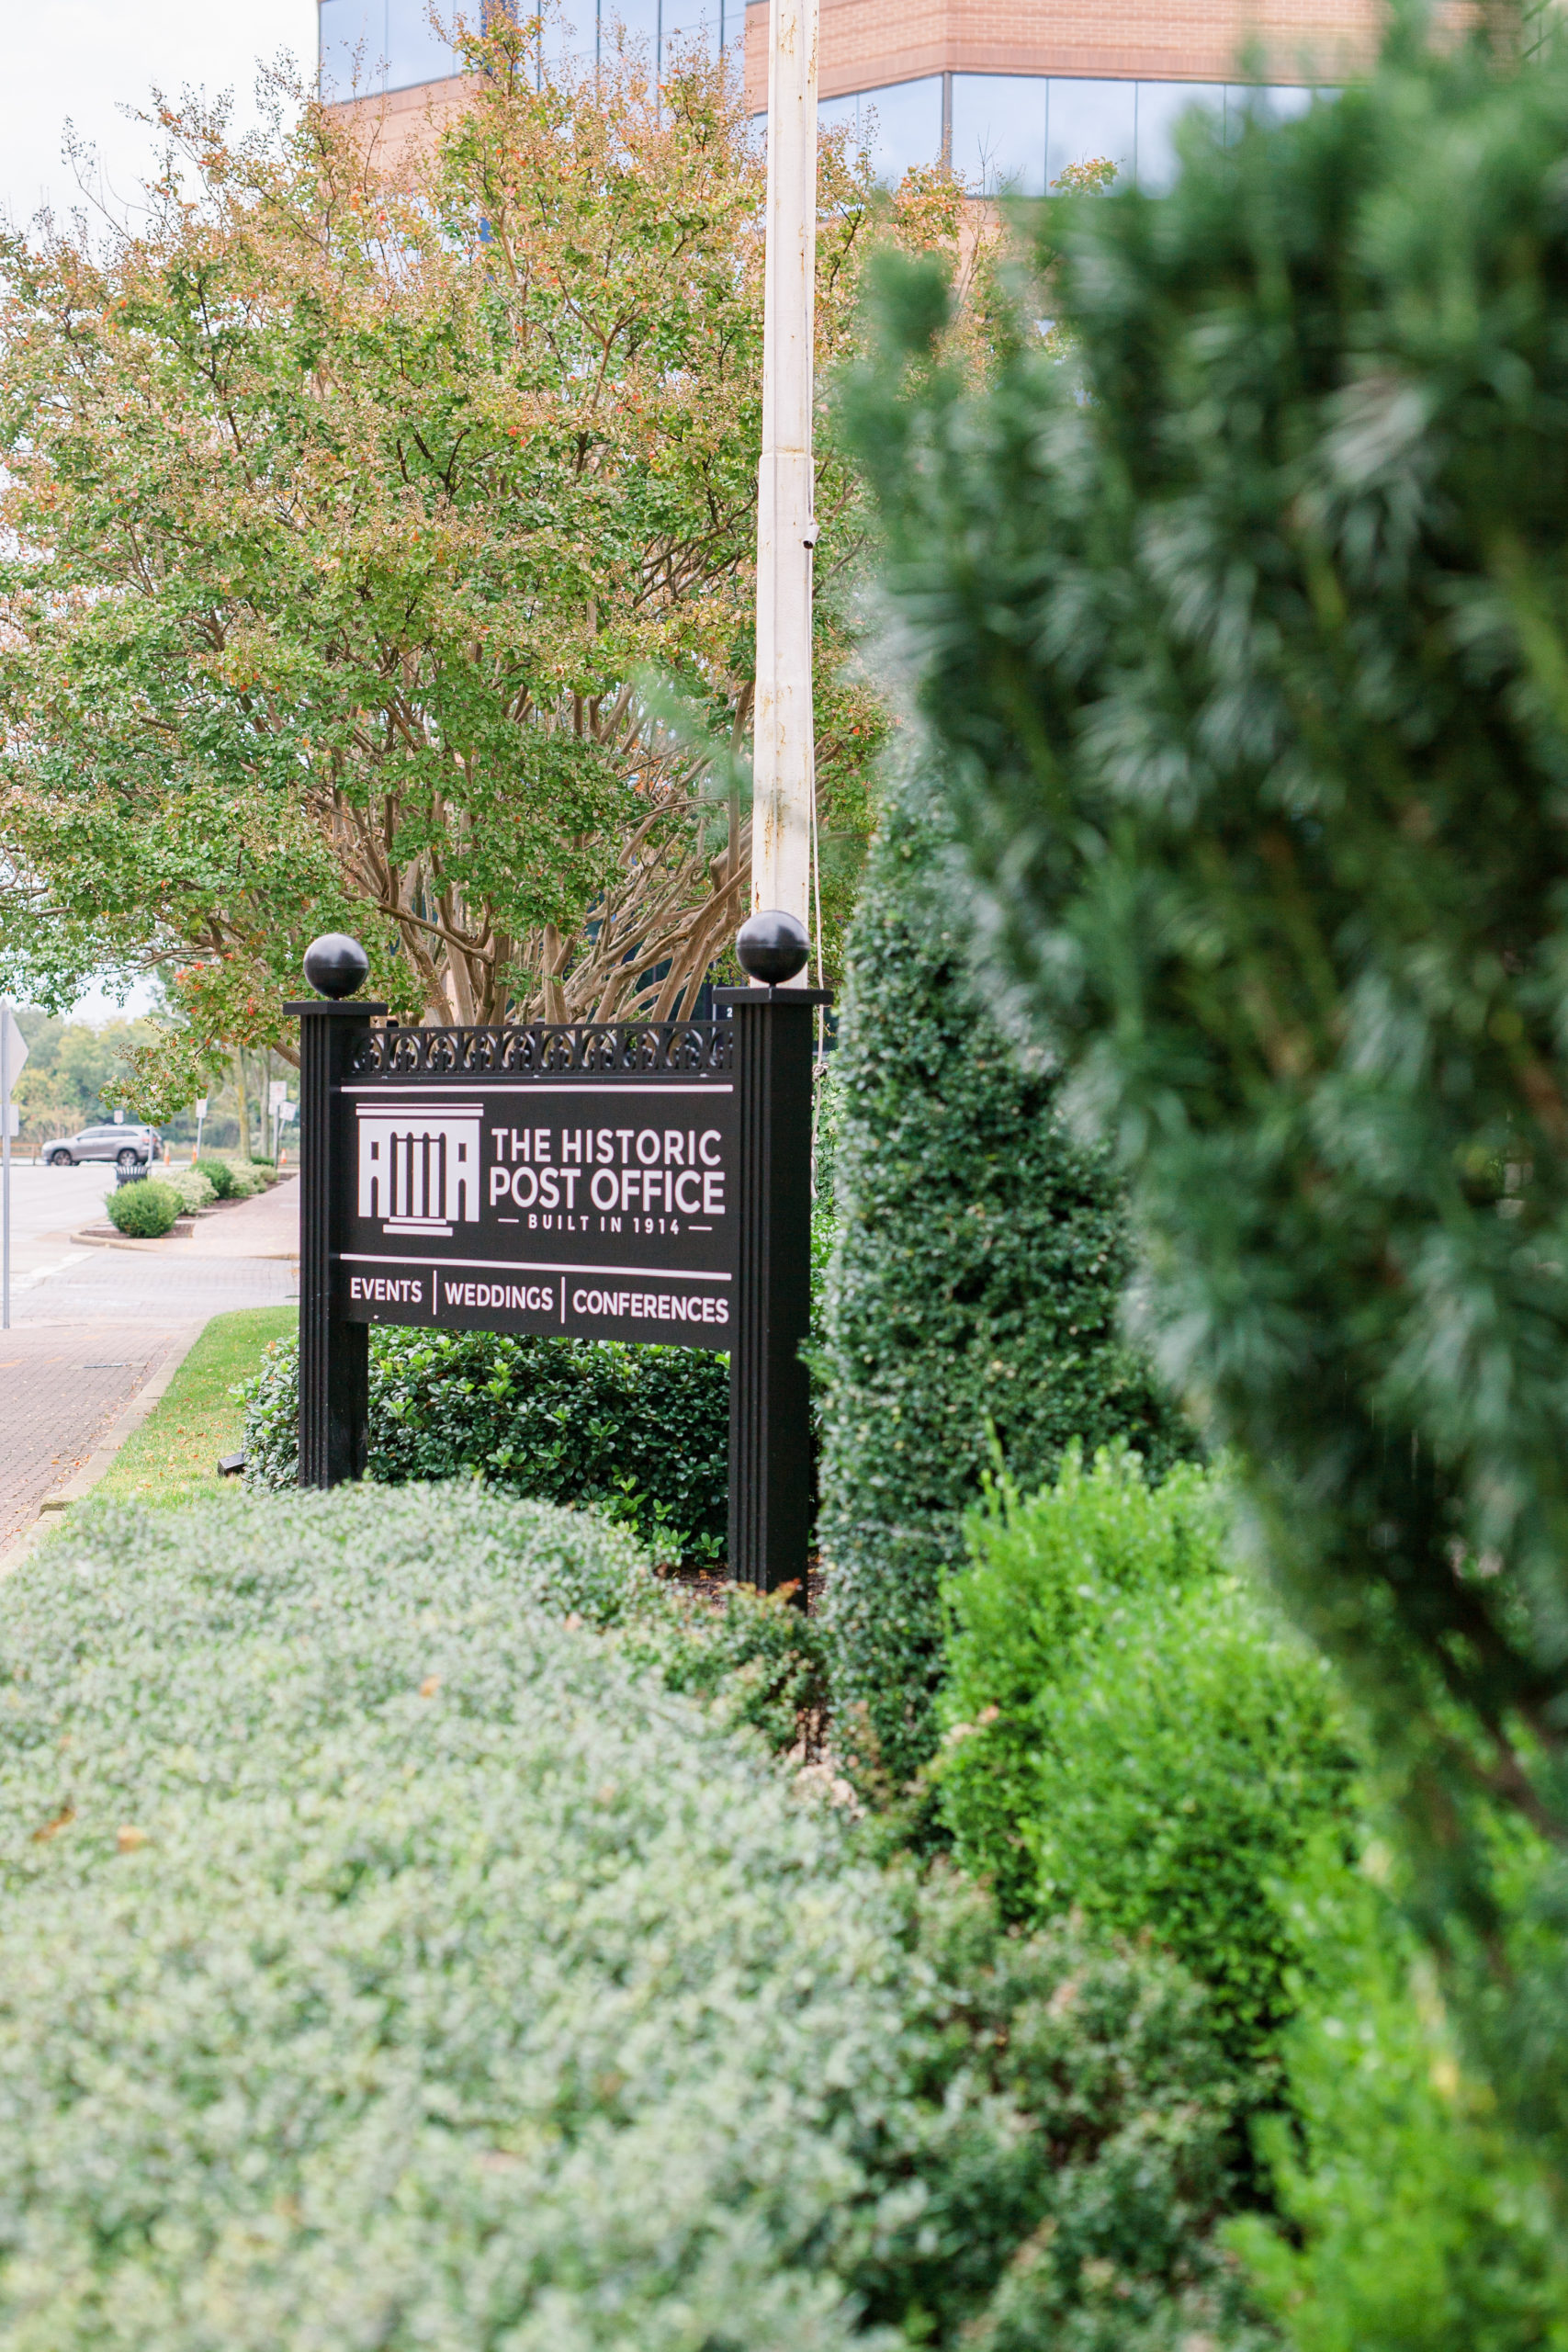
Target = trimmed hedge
(144,1210)
(642,1432)
(972,1300)
(1130,1739)
(391,1961)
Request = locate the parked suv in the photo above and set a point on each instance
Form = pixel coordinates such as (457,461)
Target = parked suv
(127,1145)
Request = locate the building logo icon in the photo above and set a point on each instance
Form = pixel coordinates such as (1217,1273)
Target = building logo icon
(419,1167)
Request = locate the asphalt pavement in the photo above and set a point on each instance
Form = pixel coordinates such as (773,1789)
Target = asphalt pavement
(90,1325)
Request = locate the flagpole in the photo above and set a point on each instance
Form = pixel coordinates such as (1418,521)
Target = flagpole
(784,728)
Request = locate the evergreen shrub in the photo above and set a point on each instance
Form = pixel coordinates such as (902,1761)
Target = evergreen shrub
(1405,2214)
(394,1959)
(643,1433)
(218,1172)
(144,1210)
(1129,1739)
(1243,633)
(971,1302)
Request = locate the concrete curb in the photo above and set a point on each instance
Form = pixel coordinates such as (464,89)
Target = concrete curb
(130,1416)
(181,1230)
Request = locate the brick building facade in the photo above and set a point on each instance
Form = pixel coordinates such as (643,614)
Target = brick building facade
(1010,91)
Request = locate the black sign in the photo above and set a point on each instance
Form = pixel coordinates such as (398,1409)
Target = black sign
(594,1207)
(642,1181)
(596,1202)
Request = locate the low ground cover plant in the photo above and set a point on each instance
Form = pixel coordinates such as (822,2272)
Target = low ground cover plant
(643,1433)
(144,1210)
(1129,1735)
(395,1959)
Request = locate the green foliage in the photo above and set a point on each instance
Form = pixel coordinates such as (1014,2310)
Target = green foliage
(1411,2220)
(642,1432)
(76,1072)
(218,1174)
(194,1187)
(1129,1740)
(1043,1575)
(972,1298)
(1245,639)
(144,1209)
(568,263)
(392,1960)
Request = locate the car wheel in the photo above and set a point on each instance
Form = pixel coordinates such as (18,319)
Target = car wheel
(60,1159)
(125,1161)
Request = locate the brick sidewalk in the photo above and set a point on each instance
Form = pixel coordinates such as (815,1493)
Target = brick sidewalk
(61,1384)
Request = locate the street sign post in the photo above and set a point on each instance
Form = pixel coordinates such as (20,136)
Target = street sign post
(200,1121)
(647,1182)
(276,1096)
(13,1054)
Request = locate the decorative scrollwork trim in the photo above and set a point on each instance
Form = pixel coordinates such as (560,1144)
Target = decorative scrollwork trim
(549,1049)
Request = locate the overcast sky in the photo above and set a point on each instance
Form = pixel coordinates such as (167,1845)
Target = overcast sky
(84,59)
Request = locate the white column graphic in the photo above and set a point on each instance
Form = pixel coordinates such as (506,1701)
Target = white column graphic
(783,731)
(419,1165)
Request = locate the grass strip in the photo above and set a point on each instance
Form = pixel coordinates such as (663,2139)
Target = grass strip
(173,1457)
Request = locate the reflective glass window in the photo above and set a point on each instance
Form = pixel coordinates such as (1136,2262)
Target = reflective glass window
(417,51)
(1161,105)
(637,21)
(901,123)
(1277,104)
(352,36)
(1086,121)
(567,33)
(998,132)
(832,115)
(691,20)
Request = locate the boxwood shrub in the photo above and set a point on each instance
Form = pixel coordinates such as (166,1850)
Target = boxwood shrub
(218,1172)
(642,1432)
(1130,1738)
(973,1297)
(144,1210)
(394,1959)
(1406,2211)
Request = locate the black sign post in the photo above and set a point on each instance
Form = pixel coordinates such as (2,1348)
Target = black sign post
(647,1181)
(333,1355)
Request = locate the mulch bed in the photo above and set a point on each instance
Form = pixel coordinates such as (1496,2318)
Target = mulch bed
(712,1584)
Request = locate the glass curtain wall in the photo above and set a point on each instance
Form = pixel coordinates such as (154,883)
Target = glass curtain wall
(1015,133)
(1006,133)
(368,47)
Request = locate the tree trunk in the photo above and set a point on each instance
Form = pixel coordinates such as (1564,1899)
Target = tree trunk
(244,1105)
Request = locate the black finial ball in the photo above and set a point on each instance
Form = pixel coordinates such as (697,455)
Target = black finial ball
(335,965)
(772,947)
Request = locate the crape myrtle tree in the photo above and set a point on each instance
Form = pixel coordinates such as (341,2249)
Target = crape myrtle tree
(350,501)
(1245,632)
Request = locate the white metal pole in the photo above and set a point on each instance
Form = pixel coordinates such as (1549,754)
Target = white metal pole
(783,731)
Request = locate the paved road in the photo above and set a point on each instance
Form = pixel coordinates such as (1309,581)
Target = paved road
(48,1206)
(89,1327)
